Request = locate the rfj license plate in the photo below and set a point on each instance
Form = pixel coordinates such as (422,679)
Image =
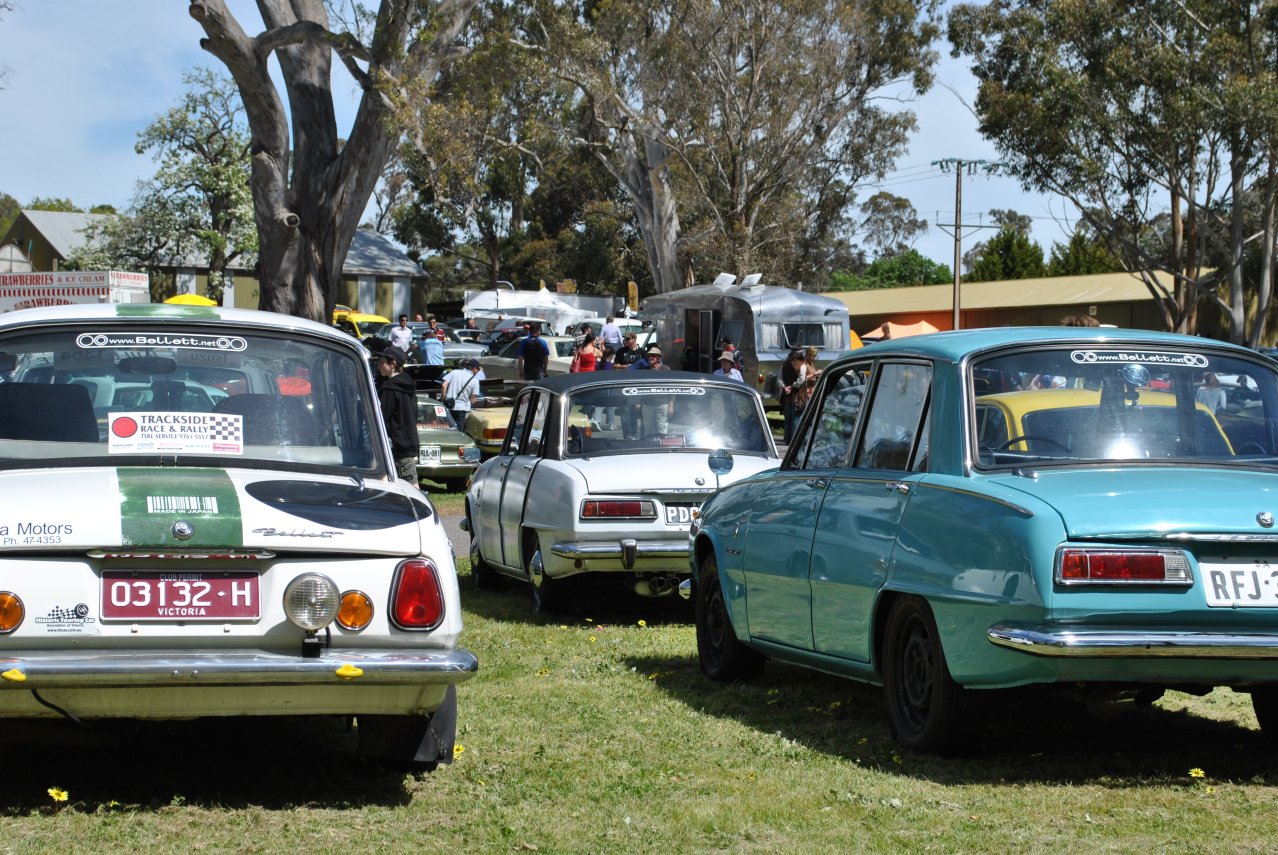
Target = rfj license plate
(680,514)
(1240,583)
(129,595)
(428,454)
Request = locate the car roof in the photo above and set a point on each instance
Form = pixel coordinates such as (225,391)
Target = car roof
(561,383)
(170,313)
(955,345)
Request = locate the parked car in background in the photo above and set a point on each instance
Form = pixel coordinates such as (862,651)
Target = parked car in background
(447,455)
(248,553)
(1007,507)
(357,324)
(503,363)
(454,348)
(600,475)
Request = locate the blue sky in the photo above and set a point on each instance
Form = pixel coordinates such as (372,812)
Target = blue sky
(86,75)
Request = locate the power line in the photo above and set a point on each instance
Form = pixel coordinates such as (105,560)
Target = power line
(958,164)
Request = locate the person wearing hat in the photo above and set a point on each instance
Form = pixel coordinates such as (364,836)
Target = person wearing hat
(462,386)
(652,360)
(397,395)
(727,367)
(791,373)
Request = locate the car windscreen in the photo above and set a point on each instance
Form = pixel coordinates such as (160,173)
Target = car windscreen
(120,395)
(1123,402)
(641,417)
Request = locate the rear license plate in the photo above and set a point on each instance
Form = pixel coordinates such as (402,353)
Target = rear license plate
(1240,583)
(128,595)
(428,454)
(680,515)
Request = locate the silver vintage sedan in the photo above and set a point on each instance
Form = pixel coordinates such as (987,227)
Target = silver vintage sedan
(600,475)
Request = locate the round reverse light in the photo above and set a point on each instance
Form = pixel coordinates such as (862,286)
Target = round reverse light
(310,601)
(11,611)
(355,611)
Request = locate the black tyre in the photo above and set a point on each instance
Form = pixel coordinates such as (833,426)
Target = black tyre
(549,596)
(482,575)
(927,710)
(722,656)
(1264,700)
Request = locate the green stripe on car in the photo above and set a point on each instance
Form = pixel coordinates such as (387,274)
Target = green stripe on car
(152,500)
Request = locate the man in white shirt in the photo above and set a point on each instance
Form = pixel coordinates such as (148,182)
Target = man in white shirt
(727,367)
(462,383)
(402,336)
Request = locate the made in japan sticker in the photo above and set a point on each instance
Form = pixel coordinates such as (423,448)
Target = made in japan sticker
(186,433)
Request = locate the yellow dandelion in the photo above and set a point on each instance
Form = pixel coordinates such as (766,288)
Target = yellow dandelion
(1197,773)
(834,705)
(592,639)
(563,626)
(459,750)
(57,794)
(590,620)
(896,758)
(642,622)
(1210,789)
(654,676)
(863,740)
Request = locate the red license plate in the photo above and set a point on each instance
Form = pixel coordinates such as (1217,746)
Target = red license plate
(172,595)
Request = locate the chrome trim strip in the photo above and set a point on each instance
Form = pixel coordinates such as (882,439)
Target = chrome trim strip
(407,666)
(1095,642)
(643,549)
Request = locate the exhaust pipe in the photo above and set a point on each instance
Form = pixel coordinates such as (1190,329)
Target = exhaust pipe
(1104,704)
(662,585)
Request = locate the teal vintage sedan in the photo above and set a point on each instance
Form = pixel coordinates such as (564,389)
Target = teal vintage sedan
(976,510)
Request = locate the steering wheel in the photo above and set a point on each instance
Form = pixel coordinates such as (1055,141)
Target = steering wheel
(1259,449)
(1006,446)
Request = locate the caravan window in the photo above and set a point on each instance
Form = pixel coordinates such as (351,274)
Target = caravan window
(791,335)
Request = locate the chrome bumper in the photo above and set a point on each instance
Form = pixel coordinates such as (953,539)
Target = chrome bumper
(627,550)
(39,670)
(1100,642)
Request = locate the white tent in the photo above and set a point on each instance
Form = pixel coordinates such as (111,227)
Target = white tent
(534,304)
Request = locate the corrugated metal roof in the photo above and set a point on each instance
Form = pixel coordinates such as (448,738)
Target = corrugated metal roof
(63,230)
(1009,293)
(373,253)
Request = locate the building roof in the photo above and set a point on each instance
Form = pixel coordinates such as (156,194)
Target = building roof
(1010,293)
(374,253)
(64,230)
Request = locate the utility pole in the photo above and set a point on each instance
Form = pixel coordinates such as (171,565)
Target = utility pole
(958,163)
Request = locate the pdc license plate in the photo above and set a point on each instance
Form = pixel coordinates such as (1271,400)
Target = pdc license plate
(428,454)
(680,514)
(138,596)
(1240,583)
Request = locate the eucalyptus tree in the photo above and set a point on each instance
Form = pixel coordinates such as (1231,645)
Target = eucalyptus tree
(1140,112)
(751,120)
(310,187)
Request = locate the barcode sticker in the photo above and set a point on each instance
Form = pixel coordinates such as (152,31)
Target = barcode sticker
(181,504)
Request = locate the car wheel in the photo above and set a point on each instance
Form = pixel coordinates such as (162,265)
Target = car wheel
(1264,700)
(927,710)
(549,596)
(482,574)
(722,656)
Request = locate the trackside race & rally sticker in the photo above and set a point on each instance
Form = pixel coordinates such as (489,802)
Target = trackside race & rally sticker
(188,433)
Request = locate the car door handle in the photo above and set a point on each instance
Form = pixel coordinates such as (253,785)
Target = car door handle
(529,466)
(899,486)
(818,483)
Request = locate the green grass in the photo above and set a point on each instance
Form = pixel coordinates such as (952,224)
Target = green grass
(596,732)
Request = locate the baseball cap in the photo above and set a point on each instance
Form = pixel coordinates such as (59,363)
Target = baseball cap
(470,363)
(395,353)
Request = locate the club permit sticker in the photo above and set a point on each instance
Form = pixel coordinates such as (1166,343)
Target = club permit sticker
(186,433)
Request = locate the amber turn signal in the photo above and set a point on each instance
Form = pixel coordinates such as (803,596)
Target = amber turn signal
(11,611)
(355,611)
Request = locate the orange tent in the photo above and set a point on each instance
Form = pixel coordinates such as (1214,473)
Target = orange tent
(892,330)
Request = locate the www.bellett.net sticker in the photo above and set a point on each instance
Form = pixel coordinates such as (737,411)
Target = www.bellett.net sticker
(188,433)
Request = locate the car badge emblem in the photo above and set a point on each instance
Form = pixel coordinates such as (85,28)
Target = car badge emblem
(1266,519)
(701,482)
(183,530)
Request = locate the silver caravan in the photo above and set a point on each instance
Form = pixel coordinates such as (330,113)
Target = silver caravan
(765,322)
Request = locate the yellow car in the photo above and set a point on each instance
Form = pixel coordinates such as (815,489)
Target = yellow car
(1074,422)
(358,324)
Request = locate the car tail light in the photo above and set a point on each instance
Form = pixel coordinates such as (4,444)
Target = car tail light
(592,509)
(1076,566)
(494,434)
(416,599)
(355,610)
(11,612)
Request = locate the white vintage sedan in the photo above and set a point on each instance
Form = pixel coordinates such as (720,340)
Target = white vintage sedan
(600,475)
(249,553)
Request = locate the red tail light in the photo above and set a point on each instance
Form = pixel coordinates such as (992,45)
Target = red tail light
(416,600)
(1120,566)
(613,508)
(494,434)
